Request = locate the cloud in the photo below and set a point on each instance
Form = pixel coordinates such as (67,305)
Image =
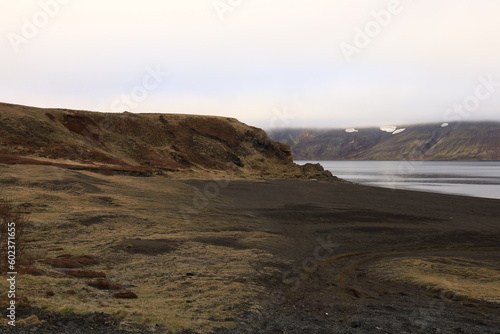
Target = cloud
(263,55)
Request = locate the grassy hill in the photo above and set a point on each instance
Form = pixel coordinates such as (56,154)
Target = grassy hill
(141,143)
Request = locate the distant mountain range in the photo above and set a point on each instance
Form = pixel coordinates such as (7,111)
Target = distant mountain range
(466,141)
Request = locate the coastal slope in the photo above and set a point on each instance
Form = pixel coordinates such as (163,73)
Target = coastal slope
(142,143)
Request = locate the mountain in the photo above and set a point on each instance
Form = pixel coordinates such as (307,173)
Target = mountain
(471,141)
(142,143)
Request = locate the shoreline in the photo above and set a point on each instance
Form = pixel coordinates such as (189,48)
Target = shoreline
(426,191)
(474,179)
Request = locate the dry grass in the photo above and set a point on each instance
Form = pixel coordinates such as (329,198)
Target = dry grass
(12,225)
(69,261)
(460,276)
(86,274)
(104,285)
(31,271)
(220,289)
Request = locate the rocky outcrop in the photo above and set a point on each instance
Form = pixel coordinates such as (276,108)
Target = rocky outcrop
(468,141)
(141,143)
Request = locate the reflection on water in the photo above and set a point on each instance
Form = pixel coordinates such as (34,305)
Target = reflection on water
(478,179)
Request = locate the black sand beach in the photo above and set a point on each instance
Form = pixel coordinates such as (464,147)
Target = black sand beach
(367,227)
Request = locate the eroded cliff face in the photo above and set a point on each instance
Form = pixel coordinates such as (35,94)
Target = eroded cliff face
(473,141)
(142,143)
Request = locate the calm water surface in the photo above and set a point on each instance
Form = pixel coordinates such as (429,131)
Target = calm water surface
(478,179)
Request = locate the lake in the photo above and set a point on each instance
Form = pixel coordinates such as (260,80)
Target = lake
(477,179)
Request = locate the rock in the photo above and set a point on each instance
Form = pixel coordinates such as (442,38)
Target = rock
(315,171)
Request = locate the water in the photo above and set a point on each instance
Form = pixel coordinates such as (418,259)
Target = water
(477,179)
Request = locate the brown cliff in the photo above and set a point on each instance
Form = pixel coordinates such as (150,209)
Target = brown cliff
(142,143)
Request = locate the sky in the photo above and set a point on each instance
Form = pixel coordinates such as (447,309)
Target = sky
(268,63)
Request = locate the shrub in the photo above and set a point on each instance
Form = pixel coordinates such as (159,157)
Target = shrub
(31,271)
(103,284)
(86,273)
(125,295)
(86,260)
(67,310)
(70,262)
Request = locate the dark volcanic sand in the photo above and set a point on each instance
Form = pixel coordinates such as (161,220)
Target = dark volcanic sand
(339,293)
(368,225)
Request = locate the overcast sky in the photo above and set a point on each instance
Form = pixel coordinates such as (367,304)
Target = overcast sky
(269,63)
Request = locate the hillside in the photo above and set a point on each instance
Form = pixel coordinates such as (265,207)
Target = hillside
(471,141)
(142,143)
